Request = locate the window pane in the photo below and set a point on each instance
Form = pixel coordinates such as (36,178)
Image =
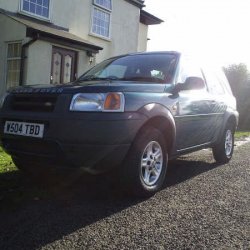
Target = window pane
(32,8)
(188,68)
(46,3)
(67,69)
(13,73)
(26,5)
(45,12)
(14,50)
(37,7)
(39,10)
(213,82)
(57,62)
(13,64)
(104,3)
(101,23)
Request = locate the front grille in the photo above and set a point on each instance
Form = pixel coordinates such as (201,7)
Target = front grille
(34,103)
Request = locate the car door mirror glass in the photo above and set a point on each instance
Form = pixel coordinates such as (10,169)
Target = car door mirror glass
(191,83)
(194,83)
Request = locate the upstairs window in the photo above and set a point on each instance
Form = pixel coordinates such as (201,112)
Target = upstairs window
(39,8)
(101,18)
(106,4)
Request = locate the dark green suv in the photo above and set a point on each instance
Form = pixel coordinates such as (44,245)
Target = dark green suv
(131,112)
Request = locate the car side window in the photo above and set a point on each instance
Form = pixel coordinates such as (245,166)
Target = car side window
(223,81)
(188,68)
(214,83)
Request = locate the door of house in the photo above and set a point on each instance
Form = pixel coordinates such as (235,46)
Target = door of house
(63,66)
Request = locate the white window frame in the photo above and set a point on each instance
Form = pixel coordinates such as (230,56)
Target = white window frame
(31,14)
(10,59)
(103,7)
(107,11)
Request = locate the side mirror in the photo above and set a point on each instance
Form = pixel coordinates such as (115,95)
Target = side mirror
(194,83)
(191,83)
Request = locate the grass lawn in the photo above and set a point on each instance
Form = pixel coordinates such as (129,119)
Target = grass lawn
(6,164)
(241,134)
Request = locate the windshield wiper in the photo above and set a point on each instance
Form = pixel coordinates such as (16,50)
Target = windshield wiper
(115,78)
(142,79)
(95,78)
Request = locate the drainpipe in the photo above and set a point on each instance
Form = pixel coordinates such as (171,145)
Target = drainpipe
(23,57)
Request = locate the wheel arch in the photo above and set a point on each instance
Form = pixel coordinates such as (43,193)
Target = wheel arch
(229,118)
(160,118)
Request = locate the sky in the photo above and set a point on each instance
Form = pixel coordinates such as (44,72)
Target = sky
(216,29)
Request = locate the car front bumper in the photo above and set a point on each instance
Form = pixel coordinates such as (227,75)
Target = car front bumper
(95,142)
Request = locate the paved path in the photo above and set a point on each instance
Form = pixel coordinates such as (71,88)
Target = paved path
(203,206)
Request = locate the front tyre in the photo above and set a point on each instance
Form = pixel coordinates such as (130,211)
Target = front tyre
(144,169)
(27,167)
(223,151)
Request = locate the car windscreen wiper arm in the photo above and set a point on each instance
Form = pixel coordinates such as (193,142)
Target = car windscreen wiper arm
(95,78)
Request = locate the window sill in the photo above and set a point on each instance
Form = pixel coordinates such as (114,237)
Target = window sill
(107,39)
(48,20)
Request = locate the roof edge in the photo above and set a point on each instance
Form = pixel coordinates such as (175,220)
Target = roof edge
(137,3)
(46,36)
(42,31)
(149,19)
(29,18)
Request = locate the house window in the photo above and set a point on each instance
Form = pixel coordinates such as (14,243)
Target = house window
(101,18)
(13,64)
(106,4)
(38,8)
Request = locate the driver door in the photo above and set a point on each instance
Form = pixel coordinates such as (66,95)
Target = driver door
(194,117)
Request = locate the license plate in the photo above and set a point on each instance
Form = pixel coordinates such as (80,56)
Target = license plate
(24,129)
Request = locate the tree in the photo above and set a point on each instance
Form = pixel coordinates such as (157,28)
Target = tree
(238,77)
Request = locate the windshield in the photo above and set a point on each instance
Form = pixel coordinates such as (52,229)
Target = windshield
(157,68)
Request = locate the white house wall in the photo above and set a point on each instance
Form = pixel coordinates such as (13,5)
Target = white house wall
(142,42)
(127,35)
(10,5)
(39,57)
(38,63)
(124,28)
(124,25)
(74,15)
(83,63)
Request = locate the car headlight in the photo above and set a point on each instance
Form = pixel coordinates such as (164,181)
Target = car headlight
(98,102)
(3,99)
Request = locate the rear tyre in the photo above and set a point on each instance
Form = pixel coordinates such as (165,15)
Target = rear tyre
(144,169)
(223,151)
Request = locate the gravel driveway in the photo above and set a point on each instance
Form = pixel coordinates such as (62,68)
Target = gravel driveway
(203,206)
